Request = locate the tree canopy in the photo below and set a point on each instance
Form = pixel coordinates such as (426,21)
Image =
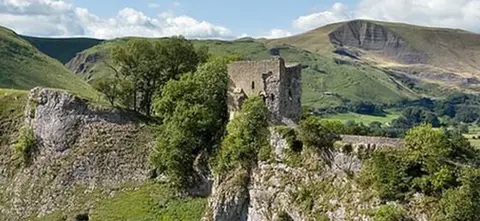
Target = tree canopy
(193,110)
(150,64)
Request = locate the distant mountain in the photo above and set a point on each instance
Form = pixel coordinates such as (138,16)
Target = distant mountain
(445,56)
(23,67)
(322,73)
(357,60)
(62,49)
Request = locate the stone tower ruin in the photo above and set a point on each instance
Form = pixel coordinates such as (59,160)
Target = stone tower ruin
(277,83)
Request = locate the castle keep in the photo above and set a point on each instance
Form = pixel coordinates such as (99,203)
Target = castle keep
(277,83)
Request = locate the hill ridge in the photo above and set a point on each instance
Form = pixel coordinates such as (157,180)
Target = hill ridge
(24,67)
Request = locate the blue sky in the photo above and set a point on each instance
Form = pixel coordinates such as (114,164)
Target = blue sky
(254,17)
(227,19)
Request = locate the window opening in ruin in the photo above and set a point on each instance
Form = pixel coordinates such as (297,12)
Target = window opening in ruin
(289,94)
(272,97)
(253,85)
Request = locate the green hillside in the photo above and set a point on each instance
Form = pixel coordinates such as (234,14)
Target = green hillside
(452,49)
(62,49)
(321,74)
(23,67)
(332,78)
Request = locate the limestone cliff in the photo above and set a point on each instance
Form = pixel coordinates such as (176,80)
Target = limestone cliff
(282,190)
(82,153)
(90,65)
(378,39)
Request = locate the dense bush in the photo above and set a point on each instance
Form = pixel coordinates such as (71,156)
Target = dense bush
(462,203)
(147,66)
(25,144)
(355,128)
(246,135)
(310,137)
(391,212)
(434,163)
(313,134)
(367,108)
(193,110)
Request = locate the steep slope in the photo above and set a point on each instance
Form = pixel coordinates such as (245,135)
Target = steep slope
(447,48)
(23,67)
(62,49)
(86,161)
(376,39)
(449,57)
(329,80)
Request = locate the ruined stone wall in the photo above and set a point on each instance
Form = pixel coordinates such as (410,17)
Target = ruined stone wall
(366,143)
(248,74)
(291,92)
(280,86)
(248,78)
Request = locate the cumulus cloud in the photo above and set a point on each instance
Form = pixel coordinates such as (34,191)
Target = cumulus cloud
(277,33)
(441,13)
(336,14)
(463,14)
(59,18)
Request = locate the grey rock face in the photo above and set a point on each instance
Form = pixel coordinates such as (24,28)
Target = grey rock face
(57,117)
(79,63)
(376,38)
(80,150)
(230,198)
(271,190)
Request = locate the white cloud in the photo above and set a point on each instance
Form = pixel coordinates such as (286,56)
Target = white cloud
(59,18)
(277,33)
(441,13)
(244,35)
(463,14)
(335,14)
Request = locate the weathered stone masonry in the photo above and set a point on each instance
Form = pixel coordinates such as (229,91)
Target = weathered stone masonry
(277,83)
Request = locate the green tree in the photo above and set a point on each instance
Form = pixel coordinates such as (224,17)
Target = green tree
(312,133)
(391,213)
(149,64)
(429,164)
(334,126)
(247,134)
(193,110)
(130,58)
(462,203)
(109,87)
(180,56)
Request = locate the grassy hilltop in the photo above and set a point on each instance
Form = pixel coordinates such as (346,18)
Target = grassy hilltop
(24,67)
(330,78)
(321,73)
(62,49)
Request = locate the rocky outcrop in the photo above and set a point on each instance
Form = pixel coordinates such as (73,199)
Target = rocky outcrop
(278,190)
(378,39)
(84,64)
(83,153)
(230,198)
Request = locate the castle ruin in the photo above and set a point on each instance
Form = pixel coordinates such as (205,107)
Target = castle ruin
(277,83)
